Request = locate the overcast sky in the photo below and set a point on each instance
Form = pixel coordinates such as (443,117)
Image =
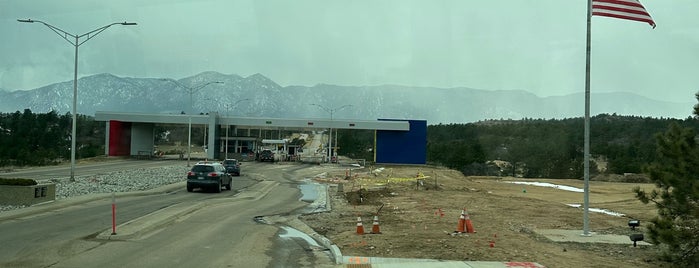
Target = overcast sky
(537,46)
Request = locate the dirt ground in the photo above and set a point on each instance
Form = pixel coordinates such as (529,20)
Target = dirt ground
(418,218)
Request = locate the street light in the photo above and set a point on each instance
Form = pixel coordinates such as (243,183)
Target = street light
(228,110)
(191,91)
(330,137)
(89,35)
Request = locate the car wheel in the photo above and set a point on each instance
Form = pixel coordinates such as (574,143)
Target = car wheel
(228,186)
(218,189)
(190,188)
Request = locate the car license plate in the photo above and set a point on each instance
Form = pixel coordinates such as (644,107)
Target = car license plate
(201,178)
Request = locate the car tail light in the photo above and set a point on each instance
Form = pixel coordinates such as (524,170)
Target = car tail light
(190,173)
(213,174)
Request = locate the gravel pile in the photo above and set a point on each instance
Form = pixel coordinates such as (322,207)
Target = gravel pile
(121,181)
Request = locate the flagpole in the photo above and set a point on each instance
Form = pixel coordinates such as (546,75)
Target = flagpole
(586,167)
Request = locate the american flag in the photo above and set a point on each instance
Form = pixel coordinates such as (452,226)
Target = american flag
(622,9)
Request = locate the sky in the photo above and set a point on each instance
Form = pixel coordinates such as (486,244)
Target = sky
(536,46)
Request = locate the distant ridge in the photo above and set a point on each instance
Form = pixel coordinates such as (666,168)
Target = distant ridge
(107,92)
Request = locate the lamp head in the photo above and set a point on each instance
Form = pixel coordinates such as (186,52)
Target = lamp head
(128,23)
(634,223)
(635,238)
(27,20)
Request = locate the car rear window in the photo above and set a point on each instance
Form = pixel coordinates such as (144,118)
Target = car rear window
(202,168)
(229,162)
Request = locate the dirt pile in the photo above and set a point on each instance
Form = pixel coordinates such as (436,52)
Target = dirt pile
(419,209)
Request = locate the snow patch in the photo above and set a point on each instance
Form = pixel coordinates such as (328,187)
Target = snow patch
(599,210)
(568,188)
(546,184)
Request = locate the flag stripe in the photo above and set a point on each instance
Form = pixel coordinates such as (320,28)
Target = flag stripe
(626,17)
(629,3)
(622,9)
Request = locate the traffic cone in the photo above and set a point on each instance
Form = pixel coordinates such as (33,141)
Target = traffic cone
(375,228)
(467,222)
(460,225)
(360,227)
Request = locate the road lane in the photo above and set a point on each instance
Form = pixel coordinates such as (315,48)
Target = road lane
(222,234)
(49,233)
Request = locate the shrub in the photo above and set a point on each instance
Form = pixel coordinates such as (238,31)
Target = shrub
(17,182)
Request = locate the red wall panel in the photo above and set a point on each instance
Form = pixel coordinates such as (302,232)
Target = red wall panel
(119,138)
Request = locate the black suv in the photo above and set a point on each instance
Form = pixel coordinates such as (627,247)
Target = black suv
(232,166)
(266,155)
(208,175)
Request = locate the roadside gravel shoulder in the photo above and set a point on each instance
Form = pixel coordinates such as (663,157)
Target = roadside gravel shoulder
(140,181)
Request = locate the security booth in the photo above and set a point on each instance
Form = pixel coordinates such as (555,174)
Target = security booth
(398,141)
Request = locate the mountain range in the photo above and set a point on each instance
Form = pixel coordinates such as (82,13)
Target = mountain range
(259,96)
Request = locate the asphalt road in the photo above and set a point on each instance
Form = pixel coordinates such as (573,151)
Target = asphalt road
(220,234)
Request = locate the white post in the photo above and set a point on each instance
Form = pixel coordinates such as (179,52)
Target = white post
(586,150)
(73,130)
(189,132)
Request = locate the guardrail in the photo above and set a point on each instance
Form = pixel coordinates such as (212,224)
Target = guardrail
(144,155)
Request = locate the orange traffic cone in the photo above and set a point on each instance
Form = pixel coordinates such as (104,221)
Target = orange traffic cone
(375,228)
(467,222)
(460,226)
(360,227)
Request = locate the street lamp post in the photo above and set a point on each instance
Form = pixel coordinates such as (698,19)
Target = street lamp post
(331,111)
(191,91)
(228,110)
(76,43)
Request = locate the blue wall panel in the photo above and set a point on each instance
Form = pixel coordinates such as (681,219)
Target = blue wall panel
(402,147)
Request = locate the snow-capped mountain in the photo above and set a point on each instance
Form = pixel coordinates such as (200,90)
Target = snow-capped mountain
(259,96)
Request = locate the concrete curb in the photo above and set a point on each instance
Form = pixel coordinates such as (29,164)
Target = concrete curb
(324,241)
(334,249)
(299,225)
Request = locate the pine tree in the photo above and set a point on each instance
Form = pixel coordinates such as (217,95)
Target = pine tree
(675,172)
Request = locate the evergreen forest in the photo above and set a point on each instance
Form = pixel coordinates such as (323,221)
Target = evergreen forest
(31,139)
(534,148)
(538,148)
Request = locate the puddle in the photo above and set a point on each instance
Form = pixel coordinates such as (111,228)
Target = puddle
(315,194)
(599,210)
(546,184)
(309,191)
(293,233)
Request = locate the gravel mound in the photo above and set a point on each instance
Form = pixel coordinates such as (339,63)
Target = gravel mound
(121,181)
